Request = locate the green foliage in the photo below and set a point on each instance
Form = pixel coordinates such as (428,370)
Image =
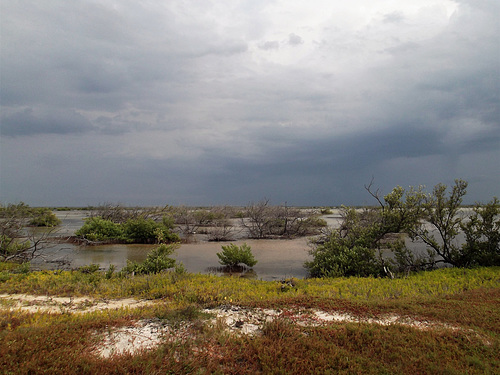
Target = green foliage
(156,261)
(99,229)
(233,255)
(110,272)
(26,215)
(168,222)
(442,213)
(23,268)
(349,251)
(91,268)
(147,230)
(139,230)
(11,246)
(43,217)
(435,219)
(20,210)
(482,236)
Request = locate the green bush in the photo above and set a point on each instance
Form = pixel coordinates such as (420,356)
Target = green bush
(133,230)
(346,255)
(157,260)
(435,219)
(147,231)
(43,217)
(91,268)
(140,230)
(11,246)
(232,255)
(482,236)
(99,229)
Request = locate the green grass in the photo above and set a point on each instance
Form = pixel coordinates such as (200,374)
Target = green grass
(63,343)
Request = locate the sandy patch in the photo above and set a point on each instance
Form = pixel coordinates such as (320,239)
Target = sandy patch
(142,335)
(238,320)
(30,303)
(148,333)
(251,321)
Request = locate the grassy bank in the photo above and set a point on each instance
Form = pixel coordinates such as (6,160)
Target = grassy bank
(458,310)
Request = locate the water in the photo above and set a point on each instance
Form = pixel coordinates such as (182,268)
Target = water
(277,259)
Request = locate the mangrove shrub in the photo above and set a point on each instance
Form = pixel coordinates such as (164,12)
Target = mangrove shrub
(233,255)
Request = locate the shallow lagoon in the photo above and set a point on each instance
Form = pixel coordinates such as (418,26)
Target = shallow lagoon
(277,259)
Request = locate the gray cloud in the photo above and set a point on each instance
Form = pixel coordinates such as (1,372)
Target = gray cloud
(393,17)
(30,122)
(270,45)
(294,39)
(200,103)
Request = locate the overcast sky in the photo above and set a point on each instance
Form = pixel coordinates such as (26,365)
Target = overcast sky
(229,101)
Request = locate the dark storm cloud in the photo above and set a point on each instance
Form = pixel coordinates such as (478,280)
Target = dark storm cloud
(29,122)
(227,102)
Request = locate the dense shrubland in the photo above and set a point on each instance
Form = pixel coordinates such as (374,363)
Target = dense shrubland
(134,230)
(369,242)
(356,247)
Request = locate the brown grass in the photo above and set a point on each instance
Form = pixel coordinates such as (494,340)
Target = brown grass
(462,335)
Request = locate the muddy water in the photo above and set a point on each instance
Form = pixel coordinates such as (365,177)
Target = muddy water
(277,259)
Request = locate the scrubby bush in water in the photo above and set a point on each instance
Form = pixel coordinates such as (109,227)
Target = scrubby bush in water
(233,255)
(263,220)
(139,230)
(156,261)
(43,217)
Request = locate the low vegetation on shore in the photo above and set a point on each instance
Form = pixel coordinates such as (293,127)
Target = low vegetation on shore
(443,321)
(361,312)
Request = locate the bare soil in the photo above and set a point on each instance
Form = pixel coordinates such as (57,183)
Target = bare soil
(148,333)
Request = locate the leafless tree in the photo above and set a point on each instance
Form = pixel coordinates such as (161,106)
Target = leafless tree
(221,228)
(257,219)
(119,213)
(263,220)
(185,218)
(17,242)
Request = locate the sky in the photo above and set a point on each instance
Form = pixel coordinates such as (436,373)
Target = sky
(209,102)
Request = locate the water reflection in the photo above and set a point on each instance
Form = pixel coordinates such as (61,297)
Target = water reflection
(277,259)
(238,271)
